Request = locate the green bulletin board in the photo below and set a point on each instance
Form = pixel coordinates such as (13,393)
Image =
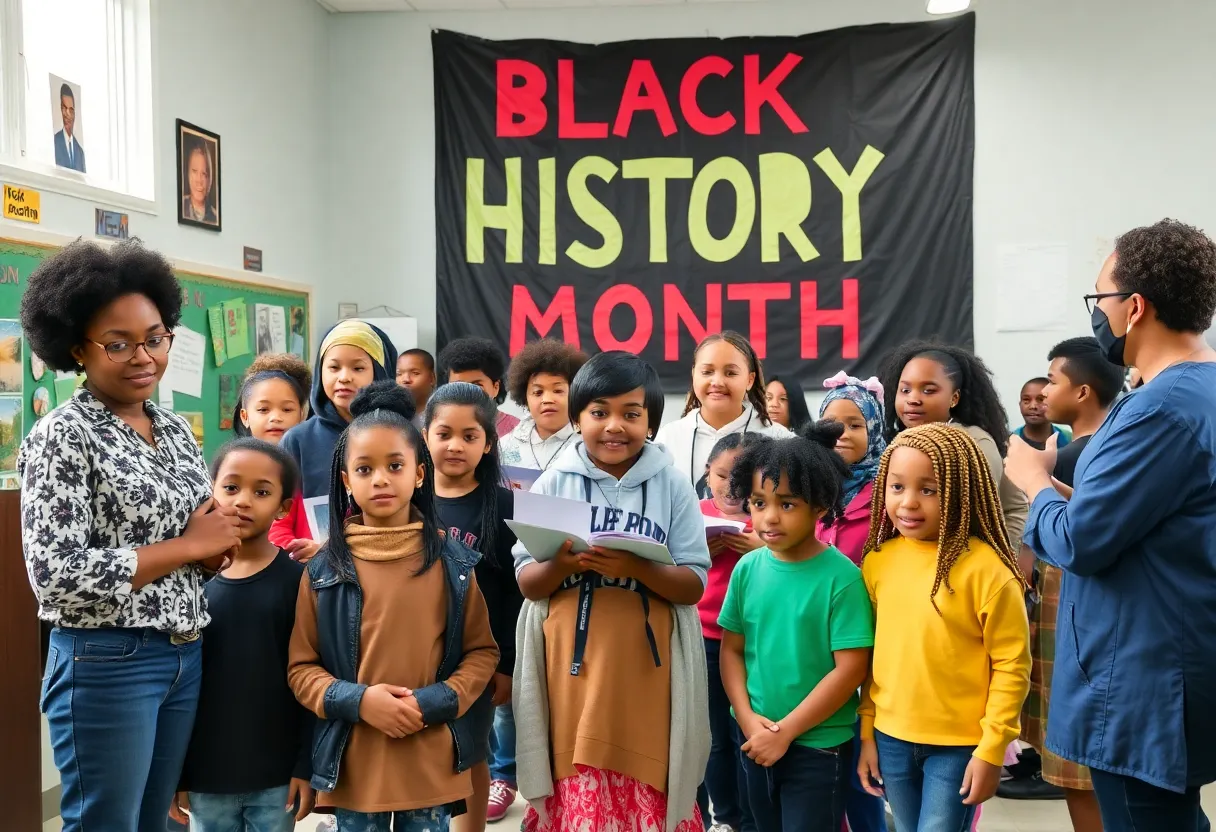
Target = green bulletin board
(19,387)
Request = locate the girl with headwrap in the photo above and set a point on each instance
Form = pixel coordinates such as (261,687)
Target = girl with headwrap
(353,354)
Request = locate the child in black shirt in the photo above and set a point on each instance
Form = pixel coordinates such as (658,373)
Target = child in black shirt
(248,764)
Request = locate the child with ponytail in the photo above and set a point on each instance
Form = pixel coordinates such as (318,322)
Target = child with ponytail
(392,647)
(273,398)
(950,671)
(727,396)
(472,504)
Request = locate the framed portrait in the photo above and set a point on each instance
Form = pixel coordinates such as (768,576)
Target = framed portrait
(67,124)
(198,177)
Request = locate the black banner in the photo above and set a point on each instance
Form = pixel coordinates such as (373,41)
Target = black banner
(812,192)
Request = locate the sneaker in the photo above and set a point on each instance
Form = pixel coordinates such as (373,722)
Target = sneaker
(502,798)
(1029,788)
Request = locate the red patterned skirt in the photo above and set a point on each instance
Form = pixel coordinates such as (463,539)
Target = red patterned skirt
(604,801)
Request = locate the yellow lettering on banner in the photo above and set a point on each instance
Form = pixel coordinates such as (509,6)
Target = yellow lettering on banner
(479,216)
(785,203)
(657,170)
(593,212)
(705,244)
(850,185)
(546,235)
(22,204)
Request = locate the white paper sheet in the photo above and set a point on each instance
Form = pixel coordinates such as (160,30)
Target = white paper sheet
(164,396)
(557,513)
(186,360)
(278,328)
(316,509)
(1032,281)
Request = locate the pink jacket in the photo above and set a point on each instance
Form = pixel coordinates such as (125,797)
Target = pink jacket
(849,533)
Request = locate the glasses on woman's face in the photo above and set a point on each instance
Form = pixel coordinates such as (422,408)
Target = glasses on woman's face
(1091,301)
(120,352)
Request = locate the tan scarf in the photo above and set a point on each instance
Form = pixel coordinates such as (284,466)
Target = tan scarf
(383,544)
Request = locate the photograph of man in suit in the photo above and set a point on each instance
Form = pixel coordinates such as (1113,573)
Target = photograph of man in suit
(68,152)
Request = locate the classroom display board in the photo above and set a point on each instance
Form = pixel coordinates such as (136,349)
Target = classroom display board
(812,192)
(225,324)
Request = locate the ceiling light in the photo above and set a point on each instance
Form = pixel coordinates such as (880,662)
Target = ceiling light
(947,6)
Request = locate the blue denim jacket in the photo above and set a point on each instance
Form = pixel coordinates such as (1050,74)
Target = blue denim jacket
(339,623)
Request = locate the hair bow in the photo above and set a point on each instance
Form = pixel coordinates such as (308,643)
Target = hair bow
(842,379)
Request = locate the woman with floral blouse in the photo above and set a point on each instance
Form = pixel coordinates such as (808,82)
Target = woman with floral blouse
(119,533)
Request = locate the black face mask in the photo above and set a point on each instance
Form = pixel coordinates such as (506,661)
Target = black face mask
(1112,345)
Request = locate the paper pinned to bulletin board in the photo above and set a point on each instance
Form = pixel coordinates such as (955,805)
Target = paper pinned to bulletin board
(236,328)
(215,323)
(184,373)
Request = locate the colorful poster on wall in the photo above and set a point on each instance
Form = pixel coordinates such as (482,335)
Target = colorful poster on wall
(230,391)
(298,324)
(12,363)
(215,322)
(11,410)
(641,195)
(196,424)
(236,328)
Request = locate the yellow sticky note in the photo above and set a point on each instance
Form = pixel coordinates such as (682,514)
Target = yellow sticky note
(21,203)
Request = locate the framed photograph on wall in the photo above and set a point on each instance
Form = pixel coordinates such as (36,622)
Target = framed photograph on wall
(67,122)
(198,177)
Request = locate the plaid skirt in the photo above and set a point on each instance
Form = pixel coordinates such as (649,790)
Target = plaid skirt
(1056,770)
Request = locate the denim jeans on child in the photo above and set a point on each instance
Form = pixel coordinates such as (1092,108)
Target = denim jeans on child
(864,811)
(804,791)
(1131,805)
(922,783)
(415,820)
(502,746)
(724,782)
(120,705)
(263,811)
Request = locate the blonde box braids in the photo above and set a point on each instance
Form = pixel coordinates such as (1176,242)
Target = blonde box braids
(970,505)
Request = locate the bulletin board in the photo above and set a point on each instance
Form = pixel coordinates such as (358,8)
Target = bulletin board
(24,397)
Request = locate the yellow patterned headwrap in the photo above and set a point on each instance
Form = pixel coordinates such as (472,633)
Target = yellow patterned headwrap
(353,333)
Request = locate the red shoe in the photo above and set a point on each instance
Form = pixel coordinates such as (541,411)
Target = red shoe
(502,798)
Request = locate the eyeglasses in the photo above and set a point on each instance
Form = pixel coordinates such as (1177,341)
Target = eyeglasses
(121,352)
(1091,301)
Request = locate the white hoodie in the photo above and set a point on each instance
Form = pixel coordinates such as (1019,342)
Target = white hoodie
(690,439)
(672,514)
(523,447)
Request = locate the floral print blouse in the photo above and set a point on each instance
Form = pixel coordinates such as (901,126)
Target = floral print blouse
(92,492)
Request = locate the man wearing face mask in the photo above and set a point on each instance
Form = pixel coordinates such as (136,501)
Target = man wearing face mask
(1134,684)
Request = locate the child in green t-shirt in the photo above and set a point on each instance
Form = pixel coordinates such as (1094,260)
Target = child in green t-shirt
(797,632)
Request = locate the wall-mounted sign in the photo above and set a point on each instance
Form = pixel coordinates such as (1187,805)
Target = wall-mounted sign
(111,224)
(253,259)
(22,204)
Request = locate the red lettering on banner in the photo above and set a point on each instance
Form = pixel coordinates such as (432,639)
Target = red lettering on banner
(758,294)
(847,317)
(568,126)
(524,311)
(618,294)
(520,108)
(757,92)
(643,92)
(693,114)
(676,311)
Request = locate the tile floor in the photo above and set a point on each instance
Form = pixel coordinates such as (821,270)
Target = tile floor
(999,816)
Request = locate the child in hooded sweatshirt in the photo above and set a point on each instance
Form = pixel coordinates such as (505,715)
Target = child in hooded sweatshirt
(610,698)
(727,396)
(539,379)
(353,354)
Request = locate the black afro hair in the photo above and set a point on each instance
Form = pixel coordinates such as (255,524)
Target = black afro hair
(465,354)
(547,355)
(809,462)
(70,288)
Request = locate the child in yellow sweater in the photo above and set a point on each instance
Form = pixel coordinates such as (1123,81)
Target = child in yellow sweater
(950,671)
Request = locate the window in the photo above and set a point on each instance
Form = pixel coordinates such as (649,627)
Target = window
(76,97)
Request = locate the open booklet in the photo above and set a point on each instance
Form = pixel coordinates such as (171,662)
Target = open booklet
(544,522)
(715,526)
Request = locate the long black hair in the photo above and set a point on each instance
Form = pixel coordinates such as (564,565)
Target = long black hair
(247,387)
(488,472)
(381,404)
(978,403)
(800,414)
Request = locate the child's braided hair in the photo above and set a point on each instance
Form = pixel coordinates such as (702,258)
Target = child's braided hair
(970,506)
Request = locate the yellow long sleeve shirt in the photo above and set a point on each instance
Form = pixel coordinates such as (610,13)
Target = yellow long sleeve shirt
(958,678)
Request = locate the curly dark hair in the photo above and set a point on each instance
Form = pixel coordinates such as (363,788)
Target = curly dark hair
(1173,265)
(978,402)
(67,291)
(283,362)
(465,354)
(809,461)
(547,355)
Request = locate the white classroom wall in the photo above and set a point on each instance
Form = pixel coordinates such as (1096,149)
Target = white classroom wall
(1092,116)
(254,72)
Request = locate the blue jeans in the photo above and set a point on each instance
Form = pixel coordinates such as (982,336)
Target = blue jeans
(922,783)
(1131,805)
(263,811)
(502,746)
(415,820)
(865,812)
(803,792)
(725,783)
(120,704)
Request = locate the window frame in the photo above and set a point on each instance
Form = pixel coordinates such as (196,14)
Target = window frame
(13,86)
